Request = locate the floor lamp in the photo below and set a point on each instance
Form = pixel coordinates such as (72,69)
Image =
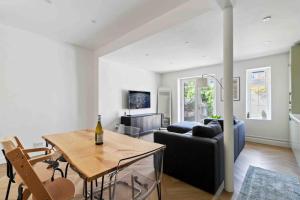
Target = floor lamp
(203,81)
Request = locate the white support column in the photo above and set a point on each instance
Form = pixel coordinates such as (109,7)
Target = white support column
(228,96)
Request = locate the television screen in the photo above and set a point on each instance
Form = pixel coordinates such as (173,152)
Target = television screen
(138,99)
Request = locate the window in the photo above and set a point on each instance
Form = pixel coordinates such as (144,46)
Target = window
(258,94)
(196,103)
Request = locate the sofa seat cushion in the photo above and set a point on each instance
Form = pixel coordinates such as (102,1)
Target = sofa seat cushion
(182,127)
(210,130)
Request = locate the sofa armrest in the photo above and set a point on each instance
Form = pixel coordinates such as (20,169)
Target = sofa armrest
(239,127)
(195,160)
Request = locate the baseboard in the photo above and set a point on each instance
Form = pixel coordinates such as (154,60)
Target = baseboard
(263,140)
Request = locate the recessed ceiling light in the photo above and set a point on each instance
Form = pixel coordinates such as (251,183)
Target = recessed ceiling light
(93,21)
(267,18)
(48,1)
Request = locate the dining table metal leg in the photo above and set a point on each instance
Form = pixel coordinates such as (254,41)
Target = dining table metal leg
(101,192)
(91,194)
(85,189)
(47,147)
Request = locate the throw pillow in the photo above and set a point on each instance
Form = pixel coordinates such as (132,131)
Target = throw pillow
(210,130)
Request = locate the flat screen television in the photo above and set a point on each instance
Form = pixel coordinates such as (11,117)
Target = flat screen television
(138,99)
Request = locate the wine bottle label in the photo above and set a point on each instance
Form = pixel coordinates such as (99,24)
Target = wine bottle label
(99,138)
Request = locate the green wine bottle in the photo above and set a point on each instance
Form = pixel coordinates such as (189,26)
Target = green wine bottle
(99,132)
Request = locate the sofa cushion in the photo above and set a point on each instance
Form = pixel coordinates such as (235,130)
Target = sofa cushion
(221,121)
(182,127)
(210,130)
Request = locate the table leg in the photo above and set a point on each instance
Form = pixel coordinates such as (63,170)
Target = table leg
(102,184)
(47,147)
(85,190)
(91,194)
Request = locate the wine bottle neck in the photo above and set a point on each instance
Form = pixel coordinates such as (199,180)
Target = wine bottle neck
(99,118)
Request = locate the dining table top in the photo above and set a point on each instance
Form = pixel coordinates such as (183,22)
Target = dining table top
(93,161)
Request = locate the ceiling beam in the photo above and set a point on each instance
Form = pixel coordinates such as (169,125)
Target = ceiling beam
(186,11)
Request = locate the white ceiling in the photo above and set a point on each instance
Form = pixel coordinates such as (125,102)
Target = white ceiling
(198,42)
(194,39)
(87,23)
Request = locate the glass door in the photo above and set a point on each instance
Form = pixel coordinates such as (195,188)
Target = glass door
(197,103)
(189,100)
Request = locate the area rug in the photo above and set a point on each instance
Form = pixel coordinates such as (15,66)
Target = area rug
(262,184)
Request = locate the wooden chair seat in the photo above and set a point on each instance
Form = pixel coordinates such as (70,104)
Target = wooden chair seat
(60,189)
(41,169)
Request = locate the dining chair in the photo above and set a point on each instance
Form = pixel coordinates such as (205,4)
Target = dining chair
(58,189)
(136,177)
(129,130)
(43,170)
(54,164)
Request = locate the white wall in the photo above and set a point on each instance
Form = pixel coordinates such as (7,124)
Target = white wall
(45,86)
(114,82)
(271,132)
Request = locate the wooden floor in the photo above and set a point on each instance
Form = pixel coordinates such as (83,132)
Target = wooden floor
(264,156)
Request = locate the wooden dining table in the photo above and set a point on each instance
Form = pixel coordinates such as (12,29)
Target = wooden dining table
(93,161)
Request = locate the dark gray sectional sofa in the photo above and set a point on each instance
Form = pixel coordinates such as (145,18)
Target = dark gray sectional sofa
(198,160)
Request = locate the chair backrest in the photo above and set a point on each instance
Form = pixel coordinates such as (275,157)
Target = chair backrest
(21,164)
(19,143)
(138,163)
(8,145)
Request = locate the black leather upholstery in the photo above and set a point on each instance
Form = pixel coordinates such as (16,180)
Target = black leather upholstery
(210,130)
(182,127)
(239,134)
(221,121)
(196,160)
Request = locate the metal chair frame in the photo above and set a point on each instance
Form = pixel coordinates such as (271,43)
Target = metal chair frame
(129,130)
(131,160)
(10,174)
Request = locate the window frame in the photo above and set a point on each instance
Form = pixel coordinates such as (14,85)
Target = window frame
(268,70)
